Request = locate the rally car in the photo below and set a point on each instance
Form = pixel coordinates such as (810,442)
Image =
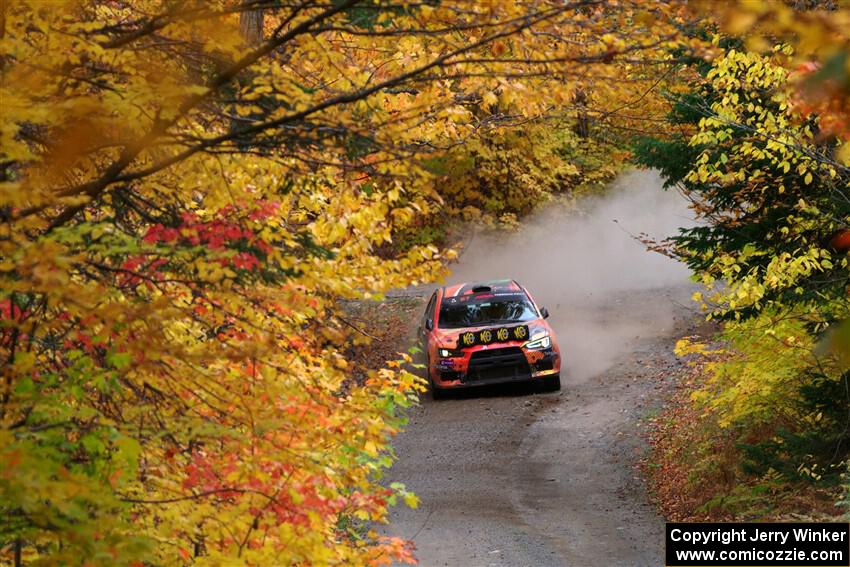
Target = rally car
(488,332)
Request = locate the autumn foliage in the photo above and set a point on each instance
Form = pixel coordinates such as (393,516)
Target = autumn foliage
(187,190)
(761,430)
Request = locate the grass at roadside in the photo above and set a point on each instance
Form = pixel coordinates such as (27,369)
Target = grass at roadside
(694,469)
(384,328)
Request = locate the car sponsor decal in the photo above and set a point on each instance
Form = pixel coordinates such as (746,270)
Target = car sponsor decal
(477,297)
(496,335)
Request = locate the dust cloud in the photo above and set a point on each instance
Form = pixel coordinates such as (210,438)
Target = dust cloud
(604,290)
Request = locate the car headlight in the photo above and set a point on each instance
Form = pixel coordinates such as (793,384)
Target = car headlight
(542,342)
(448,353)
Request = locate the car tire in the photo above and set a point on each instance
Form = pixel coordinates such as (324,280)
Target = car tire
(552,383)
(436,393)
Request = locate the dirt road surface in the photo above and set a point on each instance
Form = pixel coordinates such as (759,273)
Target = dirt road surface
(510,476)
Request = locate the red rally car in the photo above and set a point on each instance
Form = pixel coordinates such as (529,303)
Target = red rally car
(487,333)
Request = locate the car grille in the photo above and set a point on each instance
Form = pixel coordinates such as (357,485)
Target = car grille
(498,364)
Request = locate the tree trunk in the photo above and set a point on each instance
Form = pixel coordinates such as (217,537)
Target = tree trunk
(251,26)
(582,127)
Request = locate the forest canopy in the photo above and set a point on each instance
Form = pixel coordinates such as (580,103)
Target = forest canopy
(188,190)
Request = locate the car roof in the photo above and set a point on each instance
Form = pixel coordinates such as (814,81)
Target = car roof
(490,286)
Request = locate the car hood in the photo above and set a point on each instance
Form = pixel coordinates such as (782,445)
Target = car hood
(448,338)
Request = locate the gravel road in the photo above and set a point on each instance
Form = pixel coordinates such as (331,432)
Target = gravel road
(511,476)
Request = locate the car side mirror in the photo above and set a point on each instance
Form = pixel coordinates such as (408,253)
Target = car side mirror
(544,312)
(429,324)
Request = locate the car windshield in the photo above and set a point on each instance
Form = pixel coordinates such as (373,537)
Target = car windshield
(480,310)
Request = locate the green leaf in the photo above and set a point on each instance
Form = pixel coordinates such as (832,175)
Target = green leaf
(119,360)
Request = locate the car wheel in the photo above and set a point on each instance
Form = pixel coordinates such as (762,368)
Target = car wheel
(552,383)
(436,393)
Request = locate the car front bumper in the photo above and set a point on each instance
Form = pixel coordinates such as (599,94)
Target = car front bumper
(451,373)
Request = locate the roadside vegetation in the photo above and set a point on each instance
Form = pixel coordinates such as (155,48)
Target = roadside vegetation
(191,196)
(196,198)
(761,426)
